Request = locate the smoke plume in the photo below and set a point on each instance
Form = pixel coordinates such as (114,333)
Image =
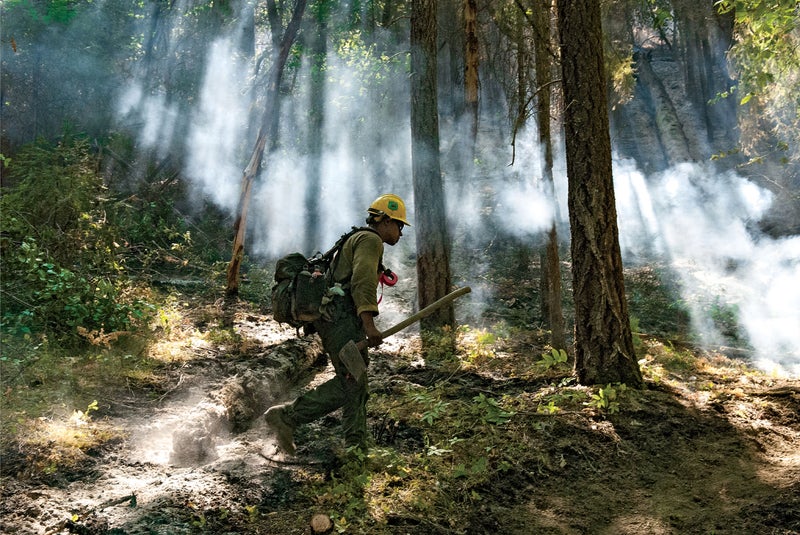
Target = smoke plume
(705,224)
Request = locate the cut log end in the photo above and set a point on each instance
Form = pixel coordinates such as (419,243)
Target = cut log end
(321,523)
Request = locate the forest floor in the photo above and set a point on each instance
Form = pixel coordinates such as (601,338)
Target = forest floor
(492,439)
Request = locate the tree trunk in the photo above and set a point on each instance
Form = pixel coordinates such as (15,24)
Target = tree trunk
(247,41)
(551,291)
(471,80)
(552,311)
(433,254)
(274,17)
(603,342)
(450,53)
(250,172)
(668,126)
(316,125)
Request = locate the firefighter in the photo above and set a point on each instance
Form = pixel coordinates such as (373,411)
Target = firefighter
(357,269)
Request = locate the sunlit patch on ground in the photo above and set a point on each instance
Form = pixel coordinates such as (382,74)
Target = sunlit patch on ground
(64,444)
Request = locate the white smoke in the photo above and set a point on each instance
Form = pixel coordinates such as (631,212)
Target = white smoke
(156,116)
(705,224)
(526,209)
(218,127)
(348,184)
(278,209)
(512,197)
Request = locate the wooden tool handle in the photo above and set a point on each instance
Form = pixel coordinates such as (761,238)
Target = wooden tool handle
(427,311)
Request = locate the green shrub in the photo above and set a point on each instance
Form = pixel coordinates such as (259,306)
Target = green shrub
(60,261)
(58,198)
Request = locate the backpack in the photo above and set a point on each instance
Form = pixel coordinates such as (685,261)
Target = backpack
(301,283)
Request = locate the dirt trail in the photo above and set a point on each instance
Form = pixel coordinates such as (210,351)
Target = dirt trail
(179,454)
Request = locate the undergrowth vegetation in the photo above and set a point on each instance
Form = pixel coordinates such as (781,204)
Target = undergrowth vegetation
(480,420)
(84,266)
(60,253)
(498,410)
(75,251)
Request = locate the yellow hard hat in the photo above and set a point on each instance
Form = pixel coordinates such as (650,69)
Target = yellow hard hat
(391,205)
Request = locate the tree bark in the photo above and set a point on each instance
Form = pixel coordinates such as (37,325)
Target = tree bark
(250,172)
(552,311)
(316,125)
(433,254)
(247,41)
(471,79)
(603,342)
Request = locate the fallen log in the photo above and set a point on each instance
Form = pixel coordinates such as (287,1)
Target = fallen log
(259,382)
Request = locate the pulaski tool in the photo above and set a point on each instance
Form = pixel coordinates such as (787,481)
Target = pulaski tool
(350,354)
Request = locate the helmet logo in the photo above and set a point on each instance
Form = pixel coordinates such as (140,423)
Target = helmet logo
(393,205)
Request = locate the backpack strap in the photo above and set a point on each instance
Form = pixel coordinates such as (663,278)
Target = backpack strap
(332,256)
(343,238)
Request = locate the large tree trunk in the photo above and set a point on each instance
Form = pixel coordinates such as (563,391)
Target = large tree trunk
(433,254)
(451,59)
(251,171)
(670,130)
(247,40)
(603,342)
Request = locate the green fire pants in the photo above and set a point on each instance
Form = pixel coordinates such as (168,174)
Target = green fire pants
(342,390)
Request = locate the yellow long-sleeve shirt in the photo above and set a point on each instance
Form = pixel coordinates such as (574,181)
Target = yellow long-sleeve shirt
(358,264)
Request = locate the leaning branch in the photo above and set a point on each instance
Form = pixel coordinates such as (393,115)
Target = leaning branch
(249,175)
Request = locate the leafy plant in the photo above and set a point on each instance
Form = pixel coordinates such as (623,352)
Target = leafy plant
(83,417)
(765,45)
(606,399)
(479,466)
(557,358)
(433,407)
(765,57)
(549,408)
(59,252)
(478,344)
(491,411)
(726,319)
(560,399)
(47,297)
(440,345)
